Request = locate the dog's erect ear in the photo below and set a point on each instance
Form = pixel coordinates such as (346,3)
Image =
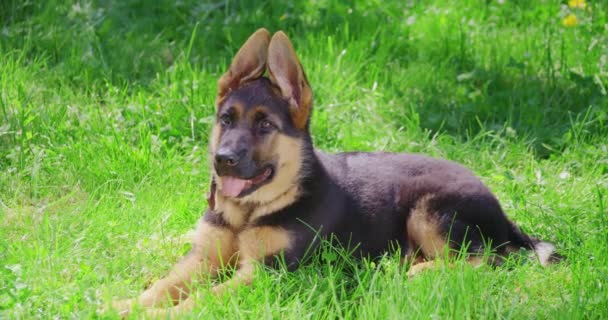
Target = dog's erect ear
(248,64)
(286,72)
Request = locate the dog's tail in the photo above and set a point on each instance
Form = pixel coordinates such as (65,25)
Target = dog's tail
(544,251)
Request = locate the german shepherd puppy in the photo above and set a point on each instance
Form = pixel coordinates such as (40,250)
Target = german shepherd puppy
(273,194)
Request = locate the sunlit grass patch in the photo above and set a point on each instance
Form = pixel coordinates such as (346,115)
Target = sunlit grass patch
(106,106)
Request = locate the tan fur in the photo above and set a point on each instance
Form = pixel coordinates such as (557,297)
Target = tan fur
(412,254)
(474,261)
(282,201)
(213,248)
(477,260)
(285,71)
(423,231)
(258,242)
(417,268)
(254,244)
(288,152)
(411,259)
(248,64)
(235,213)
(216,244)
(214,140)
(243,276)
(171,313)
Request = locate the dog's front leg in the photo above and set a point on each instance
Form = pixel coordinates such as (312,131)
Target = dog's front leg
(213,247)
(255,245)
(243,276)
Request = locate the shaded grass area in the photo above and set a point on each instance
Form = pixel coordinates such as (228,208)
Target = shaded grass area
(105,109)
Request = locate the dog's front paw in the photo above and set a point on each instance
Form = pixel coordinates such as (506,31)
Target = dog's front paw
(417,268)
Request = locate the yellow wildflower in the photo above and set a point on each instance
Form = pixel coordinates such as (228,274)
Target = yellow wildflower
(570,21)
(577,4)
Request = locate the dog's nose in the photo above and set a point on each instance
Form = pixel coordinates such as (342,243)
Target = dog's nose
(226,158)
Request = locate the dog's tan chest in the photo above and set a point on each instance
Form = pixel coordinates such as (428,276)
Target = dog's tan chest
(249,243)
(234,232)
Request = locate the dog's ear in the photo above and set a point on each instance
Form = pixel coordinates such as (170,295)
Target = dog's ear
(248,64)
(285,71)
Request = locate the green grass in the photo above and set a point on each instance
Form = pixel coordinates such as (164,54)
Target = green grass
(106,106)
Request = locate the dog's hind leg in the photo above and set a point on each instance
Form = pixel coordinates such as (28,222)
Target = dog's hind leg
(425,237)
(435,230)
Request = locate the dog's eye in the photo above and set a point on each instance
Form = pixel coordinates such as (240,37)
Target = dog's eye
(265,124)
(225,120)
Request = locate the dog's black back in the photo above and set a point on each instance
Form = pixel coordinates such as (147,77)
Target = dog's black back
(366,199)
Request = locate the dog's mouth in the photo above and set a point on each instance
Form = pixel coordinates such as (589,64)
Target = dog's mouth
(236,187)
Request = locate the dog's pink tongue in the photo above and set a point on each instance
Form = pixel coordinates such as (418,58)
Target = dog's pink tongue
(232,187)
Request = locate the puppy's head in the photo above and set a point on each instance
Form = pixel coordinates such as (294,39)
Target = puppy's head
(261,122)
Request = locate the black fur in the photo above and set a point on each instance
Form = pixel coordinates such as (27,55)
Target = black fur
(365,199)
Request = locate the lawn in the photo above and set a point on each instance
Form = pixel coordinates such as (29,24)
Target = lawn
(106,108)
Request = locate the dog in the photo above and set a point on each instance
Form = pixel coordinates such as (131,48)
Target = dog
(274,196)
